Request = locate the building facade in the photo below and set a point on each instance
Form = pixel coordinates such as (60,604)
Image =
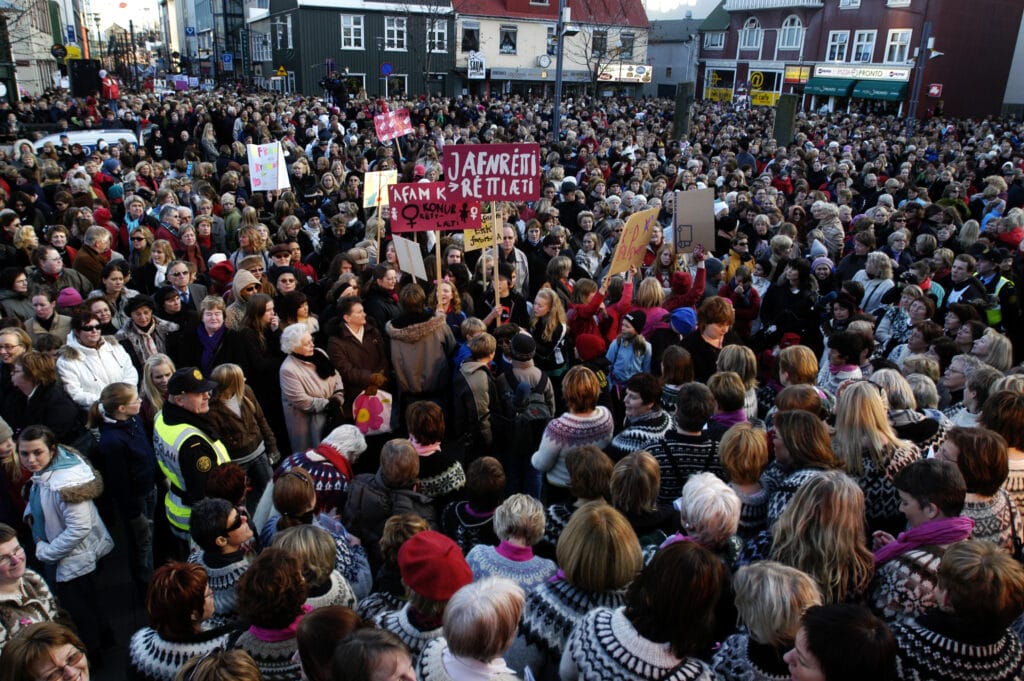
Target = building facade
(862,55)
(673,48)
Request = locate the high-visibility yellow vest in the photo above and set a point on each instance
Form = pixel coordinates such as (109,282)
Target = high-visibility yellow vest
(167,441)
(994,315)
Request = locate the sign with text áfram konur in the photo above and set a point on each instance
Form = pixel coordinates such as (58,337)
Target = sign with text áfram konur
(493,172)
(426,206)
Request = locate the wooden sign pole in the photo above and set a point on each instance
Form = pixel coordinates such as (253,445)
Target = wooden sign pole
(437,255)
(497,259)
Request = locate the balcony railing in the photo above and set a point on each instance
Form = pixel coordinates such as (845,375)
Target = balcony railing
(750,5)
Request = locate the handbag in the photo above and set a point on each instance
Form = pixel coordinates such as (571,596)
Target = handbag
(371,411)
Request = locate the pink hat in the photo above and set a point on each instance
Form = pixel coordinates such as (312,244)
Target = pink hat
(69,297)
(419,170)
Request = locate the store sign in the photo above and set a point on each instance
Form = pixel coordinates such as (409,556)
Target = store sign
(625,73)
(935,90)
(719,85)
(797,74)
(897,73)
(477,66)
(765,87)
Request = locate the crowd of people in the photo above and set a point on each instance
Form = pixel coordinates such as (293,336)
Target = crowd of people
(795,452)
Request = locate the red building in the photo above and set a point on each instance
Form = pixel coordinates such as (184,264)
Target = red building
(862,54)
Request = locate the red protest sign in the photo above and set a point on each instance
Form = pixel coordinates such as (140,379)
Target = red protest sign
(392,124)
(493,172)
(426,206)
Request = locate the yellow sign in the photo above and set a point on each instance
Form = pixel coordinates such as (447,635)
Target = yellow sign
(797,74)
(636,235)
(718,94)
(475,239)
(764,98)
(74,51)
(281,72)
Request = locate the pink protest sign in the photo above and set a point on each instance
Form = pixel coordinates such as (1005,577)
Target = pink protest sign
(493,172)
(426,206)
(392,124)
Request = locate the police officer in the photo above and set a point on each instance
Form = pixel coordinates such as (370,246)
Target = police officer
(187,448)
(1004,314)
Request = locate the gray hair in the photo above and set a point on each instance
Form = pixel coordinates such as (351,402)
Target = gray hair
(710,508)
(292,336)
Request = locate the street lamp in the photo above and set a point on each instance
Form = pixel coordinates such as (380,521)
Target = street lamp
(562,29)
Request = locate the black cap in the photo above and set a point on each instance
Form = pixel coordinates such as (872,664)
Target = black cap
(189,380)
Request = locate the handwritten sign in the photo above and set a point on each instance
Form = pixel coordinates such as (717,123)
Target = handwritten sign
(392,124)
(636,235)
(475,239)
(425,206)
(267,168)
(694,219)
(375,187)
(410,257)
(493,172)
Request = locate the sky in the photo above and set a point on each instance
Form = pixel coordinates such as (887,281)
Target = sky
(142,12)
(676,9)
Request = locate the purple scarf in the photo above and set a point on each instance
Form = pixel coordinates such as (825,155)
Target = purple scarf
(938,531)
(210,345)
(729,419)
(519,554)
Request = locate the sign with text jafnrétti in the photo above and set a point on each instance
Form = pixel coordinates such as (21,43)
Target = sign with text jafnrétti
(375,187)
(267,169)
(694,219)
(493,172)
(428,206)
(635,237)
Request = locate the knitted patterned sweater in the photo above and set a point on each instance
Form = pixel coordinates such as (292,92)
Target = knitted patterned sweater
(740,659)
(398,623)
(152,658)
(566,432)
(640,432)
(33,603)
(338,592)
(223,579)
(781,493)
(1014,484)
(606,646)
(905,586)
(934,648)
(679,456)
(881,500)
(521,566)
(997,520)
(275,659)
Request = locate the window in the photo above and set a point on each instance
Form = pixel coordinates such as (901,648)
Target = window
(394,33)
(288,22)
(397,85)
(507,39)
(261,47)
(791,37)
(600,43)
(864,46)
(897,47)
(714,40)
(849,4)
(668,71)
(351,31)
(837,43)
(470,36)
(437,35)
(898,3)
(626,43)
(282,28)
(552,42)
(750,35)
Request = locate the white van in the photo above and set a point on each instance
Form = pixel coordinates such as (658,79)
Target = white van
(88,138)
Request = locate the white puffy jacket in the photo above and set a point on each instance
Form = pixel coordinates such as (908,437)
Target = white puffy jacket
(85,372)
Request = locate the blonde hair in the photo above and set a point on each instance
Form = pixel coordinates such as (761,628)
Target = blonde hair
(598,549)
(635,483)
(862,424)
(555,318)
(742,360)
(771,598)
(649,294)
(149,389)
(230,381)
(822,532)
(743,452)
(520,516)
(313,546)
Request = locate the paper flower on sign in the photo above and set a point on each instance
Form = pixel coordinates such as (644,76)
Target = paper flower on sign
(368,411)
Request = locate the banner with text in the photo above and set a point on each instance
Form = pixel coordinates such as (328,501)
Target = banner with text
(493,172)
(267,169)
(475,239)
(426,206)
(694,220)
(375,187)
(635,237)
(392,124)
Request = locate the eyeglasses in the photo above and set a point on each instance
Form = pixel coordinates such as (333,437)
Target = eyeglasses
(179,274)
(138,238)
(8,559)
(58,673)
(251,289)
(256,270)
(239,519)
(91,327)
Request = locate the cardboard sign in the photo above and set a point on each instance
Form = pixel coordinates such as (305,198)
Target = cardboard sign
(636,235)
(392,124)
(375,187)
(694,219)
(426,206)
(410,258)
(267,169)
(475,239)
(493,172)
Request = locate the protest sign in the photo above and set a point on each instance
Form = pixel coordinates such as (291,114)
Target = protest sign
(493,172)
(425,206)
(375,187)
(267,169)
(633,243)
(410,258)
(392,124)
(694,219)
(475,239)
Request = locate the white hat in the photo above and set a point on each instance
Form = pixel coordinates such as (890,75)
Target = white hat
(103,73)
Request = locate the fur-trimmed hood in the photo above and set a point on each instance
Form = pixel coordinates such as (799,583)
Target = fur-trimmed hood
(75,484)
(416,330)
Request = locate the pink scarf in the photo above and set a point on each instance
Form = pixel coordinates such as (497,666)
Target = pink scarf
(938,531)
(272,635)
(425,450)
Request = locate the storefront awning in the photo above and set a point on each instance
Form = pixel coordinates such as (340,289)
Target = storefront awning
(890,91)
(834,87)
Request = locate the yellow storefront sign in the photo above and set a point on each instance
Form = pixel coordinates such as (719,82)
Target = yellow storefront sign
(718,94)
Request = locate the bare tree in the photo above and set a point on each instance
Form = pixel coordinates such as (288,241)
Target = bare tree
(601,48)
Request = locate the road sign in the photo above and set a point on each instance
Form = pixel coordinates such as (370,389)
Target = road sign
(228,60)
(71,33)
(935,90)
(58,51)
(190,31)
(281,72)
(386,69)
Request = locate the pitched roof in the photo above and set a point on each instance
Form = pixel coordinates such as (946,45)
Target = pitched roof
(506,10)
(718,20)
(673,30)
(600,12)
